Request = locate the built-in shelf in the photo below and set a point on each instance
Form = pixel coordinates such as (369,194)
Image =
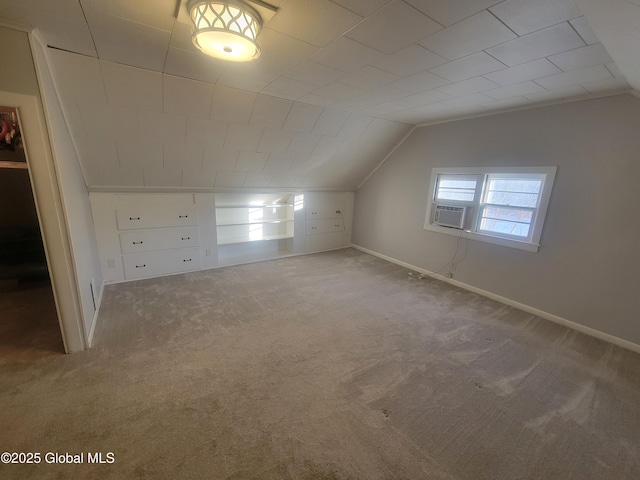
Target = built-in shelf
(252,226)
(229,241)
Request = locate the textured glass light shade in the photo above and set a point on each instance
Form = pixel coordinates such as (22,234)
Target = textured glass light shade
(226,30)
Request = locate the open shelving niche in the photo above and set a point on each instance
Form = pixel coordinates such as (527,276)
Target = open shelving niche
(254,226)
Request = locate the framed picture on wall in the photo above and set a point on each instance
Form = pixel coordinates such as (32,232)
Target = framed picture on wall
(11,147)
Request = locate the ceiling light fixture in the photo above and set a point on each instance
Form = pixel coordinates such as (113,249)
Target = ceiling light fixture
(225,29)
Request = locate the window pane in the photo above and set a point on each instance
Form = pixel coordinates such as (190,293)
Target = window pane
(456,187)
(513,199)
(506,221)
(525,185)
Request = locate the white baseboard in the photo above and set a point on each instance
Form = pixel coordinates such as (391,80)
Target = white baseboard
(94,320)
(512,303)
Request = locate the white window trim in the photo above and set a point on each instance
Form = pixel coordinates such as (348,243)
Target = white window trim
(545,195)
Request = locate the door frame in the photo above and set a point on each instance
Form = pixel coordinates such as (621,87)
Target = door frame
(51,217)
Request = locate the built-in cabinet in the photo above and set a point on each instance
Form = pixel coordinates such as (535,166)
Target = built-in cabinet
(144,235)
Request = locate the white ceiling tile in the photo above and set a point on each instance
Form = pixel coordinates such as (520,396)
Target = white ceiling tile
(288,88)
(362,7)
(161,127)
(110,175)
(469,36)
(97,151)
(140,153)
(251,161)
(132,87)
(243,137)
(179,156)
(128,55)
(254,179)
(448,12)
(327,147)
(230,179)
(542,43)
(611,84)
(280,52)
(354,126)
(346,55)
(70,9)
(78,77)
(330,122)
(302,144)
(468,100)
(181,37)
(511,102)
(202,178)
(526,71)
(243,81)
(314,73)
(232,105)
(187,97)
(162,177)
(338,91)
(408,61)
(220,159)
(302,117)
(515,90)
(269,111)
(393,27)
(368,77)
(465,87)
(205,133)
(193,65)
(575,77)
(467,67)
(274,141)
(284,180)
(582,57)
(557,94)
(525,16)
(278,163)
(102,120)
(156,14)
(313,21)
(424,98)
(584,30)
(614,69)
(420,82)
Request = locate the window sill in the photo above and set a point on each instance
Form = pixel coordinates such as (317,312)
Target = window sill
(505,242)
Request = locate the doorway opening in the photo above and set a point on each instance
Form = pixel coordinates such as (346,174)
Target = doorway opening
(29,321)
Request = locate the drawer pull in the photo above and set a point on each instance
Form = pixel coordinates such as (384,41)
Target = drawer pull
(138,243)
(336,226)
(186,260)
(134,218)
(185,238)
(141,266)
(183,216)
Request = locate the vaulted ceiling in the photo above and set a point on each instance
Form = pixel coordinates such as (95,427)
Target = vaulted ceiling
(338,85)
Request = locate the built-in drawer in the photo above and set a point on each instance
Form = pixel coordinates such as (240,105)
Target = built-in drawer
(151,264)
(148,217)
(315,227)
(324,241)
(159,239)
(331,210)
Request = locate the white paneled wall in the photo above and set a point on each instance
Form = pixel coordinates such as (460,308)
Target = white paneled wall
(139,128)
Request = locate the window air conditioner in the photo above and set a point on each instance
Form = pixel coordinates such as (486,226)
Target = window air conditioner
(449,216)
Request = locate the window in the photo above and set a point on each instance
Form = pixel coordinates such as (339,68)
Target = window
(505,206)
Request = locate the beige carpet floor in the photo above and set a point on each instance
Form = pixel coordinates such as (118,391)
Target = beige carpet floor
(329,366)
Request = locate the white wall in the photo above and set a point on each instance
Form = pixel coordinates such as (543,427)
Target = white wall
(587,268)
(74,195)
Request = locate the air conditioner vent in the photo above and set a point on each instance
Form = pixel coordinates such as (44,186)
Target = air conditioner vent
(449,216)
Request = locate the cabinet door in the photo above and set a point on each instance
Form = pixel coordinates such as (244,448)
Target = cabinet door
(159,239)
(151,264)
(148,217)
(315,227)
(323,241)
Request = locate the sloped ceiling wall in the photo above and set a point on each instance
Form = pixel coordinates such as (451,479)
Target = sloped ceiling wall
(140,128)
